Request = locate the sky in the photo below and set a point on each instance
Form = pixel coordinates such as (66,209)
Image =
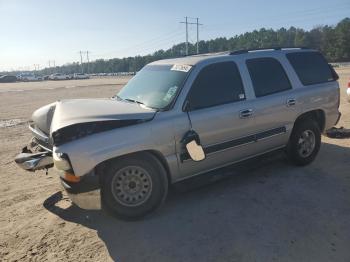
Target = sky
(36,31)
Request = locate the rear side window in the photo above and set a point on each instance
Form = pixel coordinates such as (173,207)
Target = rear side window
(311,67)
(216,84)
(268,76)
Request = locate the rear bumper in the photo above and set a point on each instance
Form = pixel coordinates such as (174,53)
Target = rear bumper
(337,121)
(332,119)
(86,193)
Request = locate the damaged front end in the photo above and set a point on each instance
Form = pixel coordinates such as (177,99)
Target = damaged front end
(37,155)
(80,130)
(67,121)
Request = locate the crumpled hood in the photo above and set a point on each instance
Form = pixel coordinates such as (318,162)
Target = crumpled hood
(68,120)
(76,111)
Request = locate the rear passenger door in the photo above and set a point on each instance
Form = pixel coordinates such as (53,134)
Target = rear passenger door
(275,106)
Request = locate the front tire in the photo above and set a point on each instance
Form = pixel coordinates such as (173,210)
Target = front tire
(304,142)
(134,186)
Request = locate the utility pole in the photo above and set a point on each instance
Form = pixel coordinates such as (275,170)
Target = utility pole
(188,23)
(88,61)
(51,63)
(186,36)
(81,62)
(197,35)
(49,67)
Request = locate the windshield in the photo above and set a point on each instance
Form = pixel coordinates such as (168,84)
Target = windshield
(155,86)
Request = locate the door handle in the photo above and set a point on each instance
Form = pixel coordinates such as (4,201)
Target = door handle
(291,102)
(245,113)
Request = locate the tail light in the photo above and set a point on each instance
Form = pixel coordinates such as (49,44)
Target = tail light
(349,83)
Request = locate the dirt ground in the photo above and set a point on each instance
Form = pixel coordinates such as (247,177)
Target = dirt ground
(270,212)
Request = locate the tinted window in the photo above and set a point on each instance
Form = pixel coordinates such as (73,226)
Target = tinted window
(268,76)
(216,84)
(311,67)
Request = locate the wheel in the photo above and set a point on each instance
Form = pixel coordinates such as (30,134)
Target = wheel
(304,142)
(133,187)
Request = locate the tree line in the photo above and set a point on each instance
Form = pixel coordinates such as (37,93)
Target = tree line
(332,41)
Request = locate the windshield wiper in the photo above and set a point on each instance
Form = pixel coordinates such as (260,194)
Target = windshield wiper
(138,102)
(134,101)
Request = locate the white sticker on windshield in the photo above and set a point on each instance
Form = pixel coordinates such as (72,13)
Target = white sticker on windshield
(171,92)
(182,68)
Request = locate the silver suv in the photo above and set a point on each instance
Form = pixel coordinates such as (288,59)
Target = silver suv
(183,117)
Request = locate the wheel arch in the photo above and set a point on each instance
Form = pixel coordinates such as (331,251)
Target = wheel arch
(99,169)
(317,114)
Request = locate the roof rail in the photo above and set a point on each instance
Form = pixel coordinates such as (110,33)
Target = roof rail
(210,54)
(244,51)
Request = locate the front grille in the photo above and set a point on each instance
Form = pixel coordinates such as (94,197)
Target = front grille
(43,144)
(40,138)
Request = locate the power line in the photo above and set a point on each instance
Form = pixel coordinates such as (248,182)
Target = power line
(141,45)
(160,44)
(301,15)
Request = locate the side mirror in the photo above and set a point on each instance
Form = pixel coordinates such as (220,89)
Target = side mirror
(193,146)
(186,106)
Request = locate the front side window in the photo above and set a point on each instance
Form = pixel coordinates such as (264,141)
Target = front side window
(155,86)
(216,84)
(268,76)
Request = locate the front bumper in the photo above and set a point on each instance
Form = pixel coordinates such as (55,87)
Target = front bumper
(85,193)
(30,161)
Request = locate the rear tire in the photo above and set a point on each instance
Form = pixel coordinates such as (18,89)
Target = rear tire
(304,142)
(134,186)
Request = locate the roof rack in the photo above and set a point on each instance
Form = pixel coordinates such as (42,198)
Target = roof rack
(210,54)
(244,51)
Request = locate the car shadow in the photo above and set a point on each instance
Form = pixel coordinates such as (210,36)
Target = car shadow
(262,210)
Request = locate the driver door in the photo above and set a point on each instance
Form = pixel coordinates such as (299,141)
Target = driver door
(221,116)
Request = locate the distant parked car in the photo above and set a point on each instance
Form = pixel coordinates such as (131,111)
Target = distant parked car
(29,77)
(81,76)
(59,76)
(7,79)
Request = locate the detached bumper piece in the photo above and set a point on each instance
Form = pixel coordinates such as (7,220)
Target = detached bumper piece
(34,161)
(341,132)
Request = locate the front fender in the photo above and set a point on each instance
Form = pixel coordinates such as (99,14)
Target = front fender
(86,153)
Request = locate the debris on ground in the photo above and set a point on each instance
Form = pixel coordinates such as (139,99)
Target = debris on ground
(340,132)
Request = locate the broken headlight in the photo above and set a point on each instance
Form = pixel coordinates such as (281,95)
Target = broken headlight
(61,161)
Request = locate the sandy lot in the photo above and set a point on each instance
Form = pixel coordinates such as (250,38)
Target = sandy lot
(270,212)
